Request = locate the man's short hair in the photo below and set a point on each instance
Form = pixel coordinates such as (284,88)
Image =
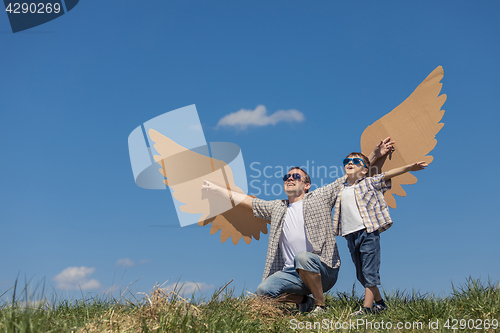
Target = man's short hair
(307,179)
(362,156)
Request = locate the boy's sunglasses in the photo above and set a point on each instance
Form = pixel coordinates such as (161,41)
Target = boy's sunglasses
(355,161)
(295,176)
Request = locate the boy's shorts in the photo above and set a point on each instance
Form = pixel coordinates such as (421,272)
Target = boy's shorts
(365,253)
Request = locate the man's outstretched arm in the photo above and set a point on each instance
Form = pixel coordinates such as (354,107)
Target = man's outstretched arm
(238,198)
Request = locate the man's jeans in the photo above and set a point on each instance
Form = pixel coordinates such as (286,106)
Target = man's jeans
(288,280)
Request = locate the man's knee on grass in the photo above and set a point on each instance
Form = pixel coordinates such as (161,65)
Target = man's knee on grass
(264,290)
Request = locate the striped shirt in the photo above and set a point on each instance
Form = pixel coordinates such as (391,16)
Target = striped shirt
(369,193)
(317,207)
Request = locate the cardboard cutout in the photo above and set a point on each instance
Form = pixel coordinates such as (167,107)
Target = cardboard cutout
(413,125)
(185,171)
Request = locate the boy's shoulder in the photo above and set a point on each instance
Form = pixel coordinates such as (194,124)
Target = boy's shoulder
(370,181)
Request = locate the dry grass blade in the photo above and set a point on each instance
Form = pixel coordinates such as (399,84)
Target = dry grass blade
(216,295)
(155,304)
(267,309)
(159,301)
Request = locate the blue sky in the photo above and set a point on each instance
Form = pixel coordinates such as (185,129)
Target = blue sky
(73,89)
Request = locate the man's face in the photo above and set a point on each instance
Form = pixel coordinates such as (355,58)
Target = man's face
(296,186)
(357,170)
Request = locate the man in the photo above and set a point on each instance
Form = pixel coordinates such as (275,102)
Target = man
(302,256)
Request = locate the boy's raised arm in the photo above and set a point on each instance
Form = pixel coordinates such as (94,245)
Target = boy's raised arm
(410,167)
(381,149)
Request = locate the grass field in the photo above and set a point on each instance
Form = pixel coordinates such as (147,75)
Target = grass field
(473,306)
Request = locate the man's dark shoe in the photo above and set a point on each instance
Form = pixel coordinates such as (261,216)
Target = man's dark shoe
(307,306)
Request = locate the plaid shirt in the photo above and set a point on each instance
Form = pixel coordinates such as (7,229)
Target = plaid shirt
(369,194)
(317,206)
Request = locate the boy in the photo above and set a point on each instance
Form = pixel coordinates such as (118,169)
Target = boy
(361,213)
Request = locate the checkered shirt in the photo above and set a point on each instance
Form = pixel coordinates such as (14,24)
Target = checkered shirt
(369,194)
(317,206)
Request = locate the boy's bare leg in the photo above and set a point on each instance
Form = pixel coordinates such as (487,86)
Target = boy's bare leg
(371,294)
(313,282)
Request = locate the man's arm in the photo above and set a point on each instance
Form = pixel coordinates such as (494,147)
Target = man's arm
(238,198)
(410,167)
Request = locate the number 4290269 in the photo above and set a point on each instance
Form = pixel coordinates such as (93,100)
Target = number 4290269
(471,324)
(33,8)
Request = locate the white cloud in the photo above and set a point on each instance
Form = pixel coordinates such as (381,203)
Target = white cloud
(91,284)
(188,287)
(258,117)
(76,278)
(126,262)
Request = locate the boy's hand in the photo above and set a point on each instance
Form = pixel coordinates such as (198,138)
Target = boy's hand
(418,166)
(383,147)
(410,167)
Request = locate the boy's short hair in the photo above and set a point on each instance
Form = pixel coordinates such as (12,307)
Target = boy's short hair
(362,156)
(307,179)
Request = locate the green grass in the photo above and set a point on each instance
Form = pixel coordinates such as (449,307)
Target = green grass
(473,302)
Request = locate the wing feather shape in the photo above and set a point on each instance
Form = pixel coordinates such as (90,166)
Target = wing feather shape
(413,125)
(185,171)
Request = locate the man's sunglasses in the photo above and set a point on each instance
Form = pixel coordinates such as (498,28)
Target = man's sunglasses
(355,161)
(295,176)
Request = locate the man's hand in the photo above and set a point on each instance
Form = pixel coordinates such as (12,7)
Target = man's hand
(237,198)
(209,186)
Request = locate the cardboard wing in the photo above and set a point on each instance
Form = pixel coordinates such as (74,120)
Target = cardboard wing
(413,125)
(185,170)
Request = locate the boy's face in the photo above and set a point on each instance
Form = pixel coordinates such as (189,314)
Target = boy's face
(357,171)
